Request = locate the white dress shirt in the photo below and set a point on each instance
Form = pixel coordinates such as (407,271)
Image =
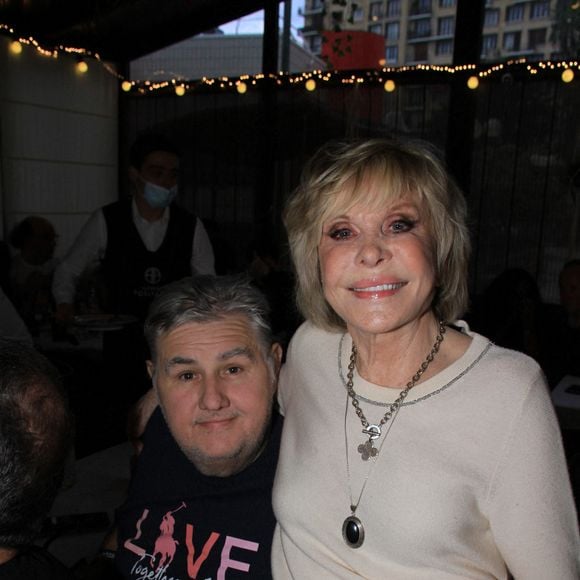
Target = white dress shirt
(91,244)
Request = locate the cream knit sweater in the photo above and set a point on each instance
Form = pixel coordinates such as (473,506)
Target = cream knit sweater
(471,480)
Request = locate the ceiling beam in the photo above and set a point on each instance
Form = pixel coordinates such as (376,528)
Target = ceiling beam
(120,30)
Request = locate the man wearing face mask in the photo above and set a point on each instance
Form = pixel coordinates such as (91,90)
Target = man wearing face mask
(138,244)
(142,242)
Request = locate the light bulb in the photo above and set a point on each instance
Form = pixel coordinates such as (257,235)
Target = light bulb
(568,75)
(15,47)
(472,82)
(390,86)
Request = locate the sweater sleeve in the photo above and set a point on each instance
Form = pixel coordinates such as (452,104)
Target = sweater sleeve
(532,513)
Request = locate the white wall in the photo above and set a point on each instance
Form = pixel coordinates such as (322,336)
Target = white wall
(58,140)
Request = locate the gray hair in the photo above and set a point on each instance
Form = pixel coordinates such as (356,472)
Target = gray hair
(207,299)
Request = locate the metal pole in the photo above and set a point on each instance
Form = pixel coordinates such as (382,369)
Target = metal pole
(270,44)
(285,63)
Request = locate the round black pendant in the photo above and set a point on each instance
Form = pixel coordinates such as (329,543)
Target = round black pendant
(353,532)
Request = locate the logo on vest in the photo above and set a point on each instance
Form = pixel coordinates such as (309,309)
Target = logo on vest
(152,275)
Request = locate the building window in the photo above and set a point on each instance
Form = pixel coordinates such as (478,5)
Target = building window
(540,10)
(537,37)
(514,13)
(358,15)
(376,29)
(376,10)
(316,44)
(445,26)
(444,47)
(421,7)
(316,4)
(393,8)
(420,28)
(446,3)
(488,43)
(392,31)
(511,41)
(491,18)
(392,54)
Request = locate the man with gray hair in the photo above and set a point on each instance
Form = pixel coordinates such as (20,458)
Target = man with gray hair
(199,505)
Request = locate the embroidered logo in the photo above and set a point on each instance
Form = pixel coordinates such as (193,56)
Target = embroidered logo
(152,275)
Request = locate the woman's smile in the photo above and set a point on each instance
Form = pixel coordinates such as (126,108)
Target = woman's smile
(364,290)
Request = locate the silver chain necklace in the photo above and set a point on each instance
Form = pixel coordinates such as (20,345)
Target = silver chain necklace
(353,531)
(374,430)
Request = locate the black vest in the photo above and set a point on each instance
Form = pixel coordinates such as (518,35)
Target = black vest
(133,275)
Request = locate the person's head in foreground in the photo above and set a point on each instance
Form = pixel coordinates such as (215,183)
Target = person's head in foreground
(35,434)
(361,206)
(214,368)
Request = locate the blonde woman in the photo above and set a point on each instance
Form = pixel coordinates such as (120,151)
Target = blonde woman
(413,448)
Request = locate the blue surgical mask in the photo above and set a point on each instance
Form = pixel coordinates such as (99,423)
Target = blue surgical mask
(157,196)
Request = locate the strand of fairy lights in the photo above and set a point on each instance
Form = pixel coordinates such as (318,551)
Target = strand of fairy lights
(309,80)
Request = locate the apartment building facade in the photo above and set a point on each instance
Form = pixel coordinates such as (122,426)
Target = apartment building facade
(422,31)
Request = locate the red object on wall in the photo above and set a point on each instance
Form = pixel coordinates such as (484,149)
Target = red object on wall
(352,49)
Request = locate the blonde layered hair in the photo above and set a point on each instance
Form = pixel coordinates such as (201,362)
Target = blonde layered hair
(377,172)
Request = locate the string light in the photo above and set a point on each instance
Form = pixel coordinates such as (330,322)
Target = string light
(568,75)
(310,85)
(472,82)
(15,47)
(82,67)
(309,80)
(389,86)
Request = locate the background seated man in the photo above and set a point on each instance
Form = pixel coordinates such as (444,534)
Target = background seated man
(31,270)
(35,434)
(199,504)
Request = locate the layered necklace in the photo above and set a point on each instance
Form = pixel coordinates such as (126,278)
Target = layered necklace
(352,529)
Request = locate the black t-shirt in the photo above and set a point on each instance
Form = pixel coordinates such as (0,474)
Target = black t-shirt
(178,523)
(34,564)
